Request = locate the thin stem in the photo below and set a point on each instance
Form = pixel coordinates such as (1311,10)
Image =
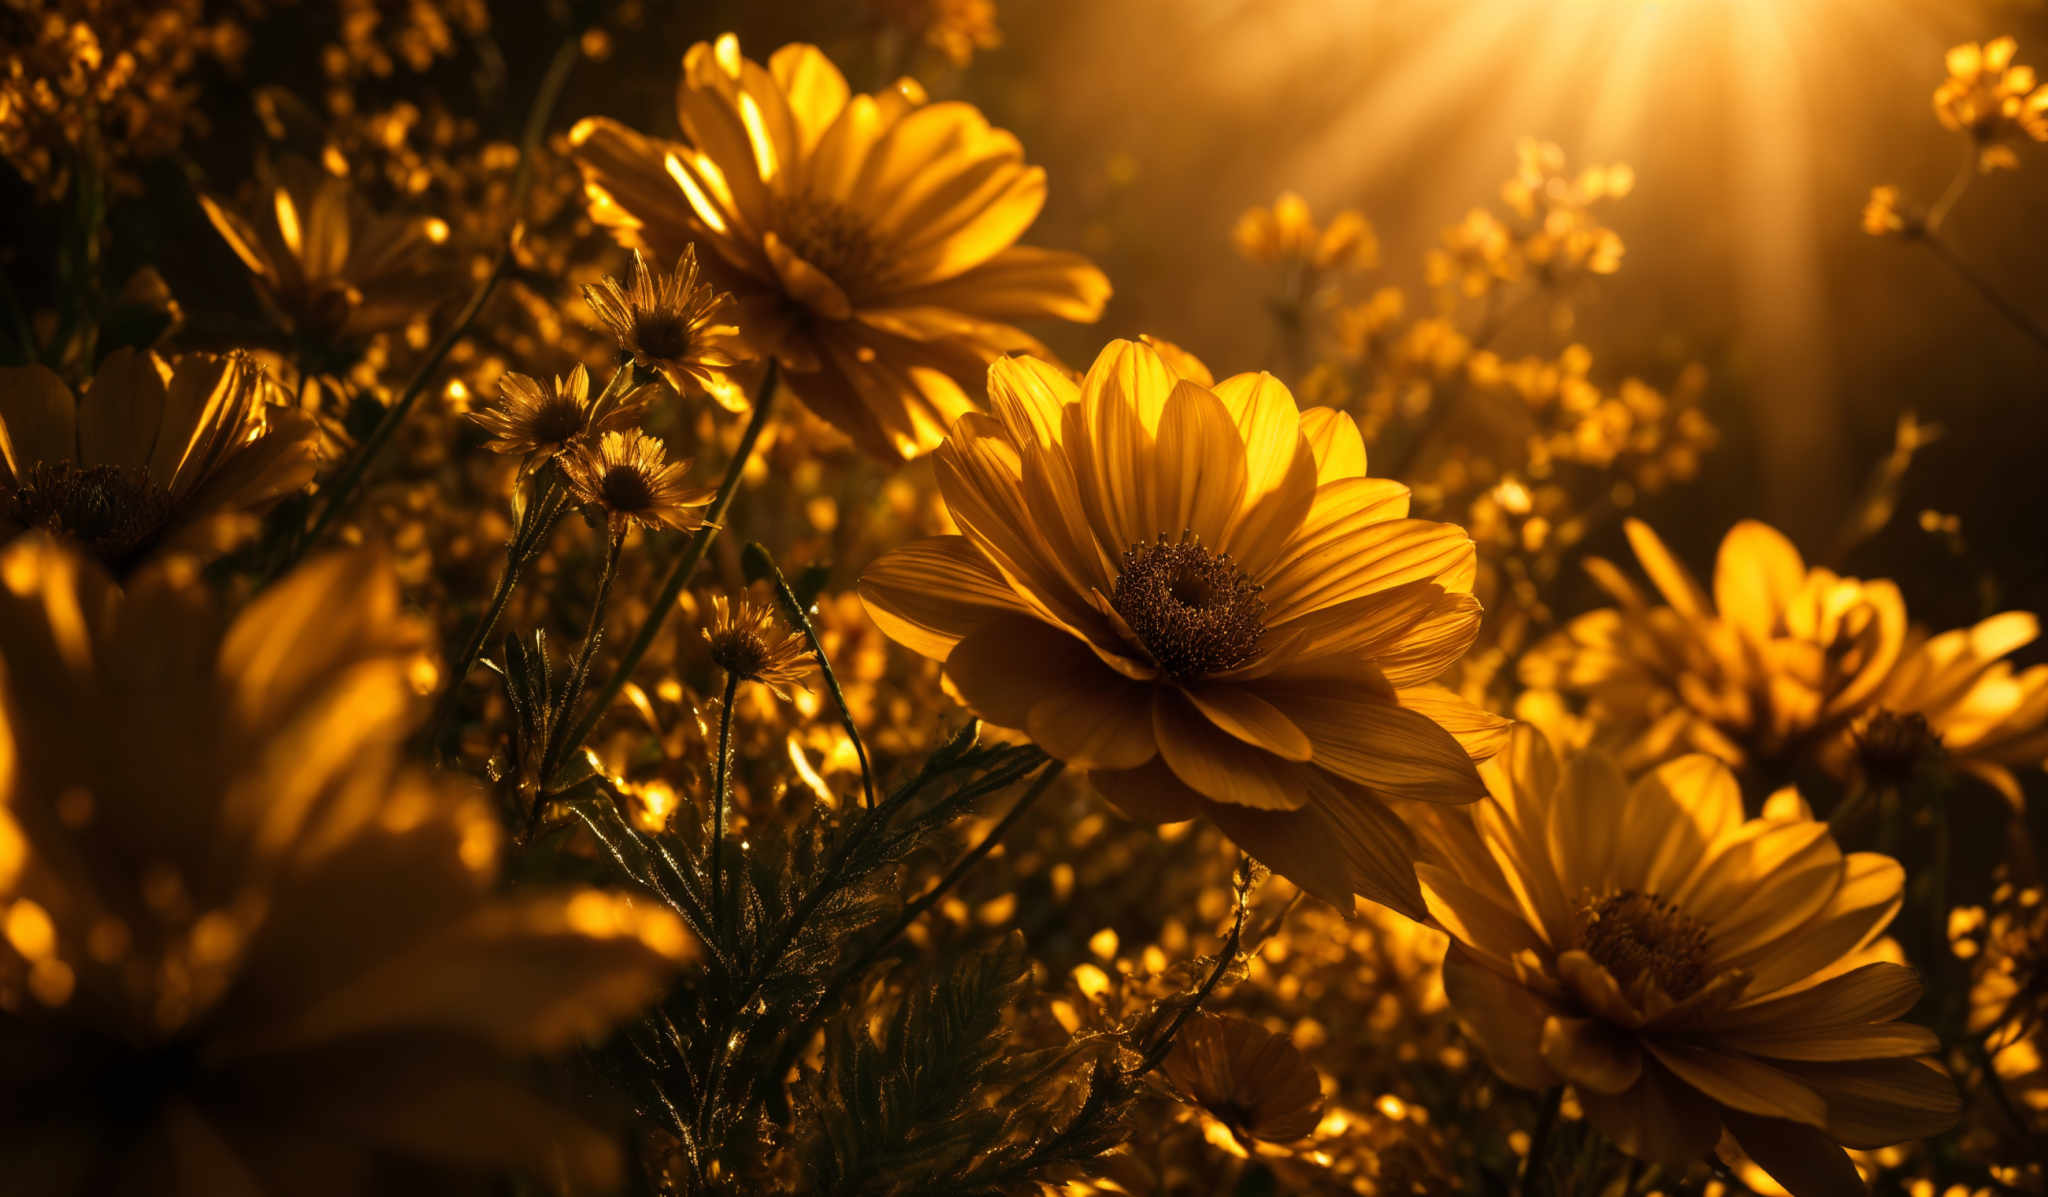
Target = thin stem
(1157,1052)
(1954,191)
(342,491)
(2012,312)
(720,790)
(851,972)
(1980,1051)
(679,574)
(534,524)
(795,613)
(580,673)
(1539,1142)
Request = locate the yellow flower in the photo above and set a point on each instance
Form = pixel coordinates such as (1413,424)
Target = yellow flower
(1994,100)
(537,420)
(242,938)
(868,239)
(1287,234)
(1251,1083)
(154,456)
(1888,215)
(629,477)
(1195,594)
(748,642)
(674,326)
(329,269)
(1986,717)
(1685,971)
(955,28)
(1789,660)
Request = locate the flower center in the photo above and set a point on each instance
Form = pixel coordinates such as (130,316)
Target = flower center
(831,237)
(739,651)
(1195,611)
(111,511)
(1637,936)
(662,335)
(558,422)
(1892,747)
(626,490)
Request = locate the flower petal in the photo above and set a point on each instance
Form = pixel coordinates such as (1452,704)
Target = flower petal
(929,594)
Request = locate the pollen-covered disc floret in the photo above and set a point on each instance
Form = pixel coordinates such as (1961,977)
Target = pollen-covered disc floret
(112,512)
(1192,609)
(1637,936)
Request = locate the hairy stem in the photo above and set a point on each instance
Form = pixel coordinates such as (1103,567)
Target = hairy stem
(580,673)
(795,613)
(686,565)
(721,789)
(1157,1052)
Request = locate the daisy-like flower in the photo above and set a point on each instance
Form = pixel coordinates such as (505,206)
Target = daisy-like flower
(1985,717)
(536,420)
(1685,971)
(1195,594)
(1996,101)
(154,456)
(330,270)
(1788,664)
(869,240)
(629,477)
(673,325)
(1249,1083)
(1781,659)
(250,949)
(748,641)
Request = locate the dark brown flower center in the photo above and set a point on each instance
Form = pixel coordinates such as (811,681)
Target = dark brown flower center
(662,335)
(111,511)
(626,489)
(1636,935)
(1893,747)
(739,651)
(832,238)
(1195,611)
(559,421)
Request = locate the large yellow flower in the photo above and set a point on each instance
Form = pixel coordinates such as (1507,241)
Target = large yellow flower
(870,240)
(1788,665)
(328,267)
(243,947)
(1779,659)
(152,456)
(1195,594)
(1684,970)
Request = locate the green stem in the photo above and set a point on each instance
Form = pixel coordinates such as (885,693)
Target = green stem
(1539,1142)
(679,575)
(795,613)
(580,673)
(721,790)
(342,490)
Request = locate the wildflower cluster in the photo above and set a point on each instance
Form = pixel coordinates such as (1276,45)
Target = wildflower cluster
(928,765)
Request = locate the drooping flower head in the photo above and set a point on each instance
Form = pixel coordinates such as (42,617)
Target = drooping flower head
(330,269)
(748,641)
(1250,1083)
(242,937)
(673,325)
(153,456)
(1684,970)
(869,240)
(628,476)
(1195,593)
(537,420)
